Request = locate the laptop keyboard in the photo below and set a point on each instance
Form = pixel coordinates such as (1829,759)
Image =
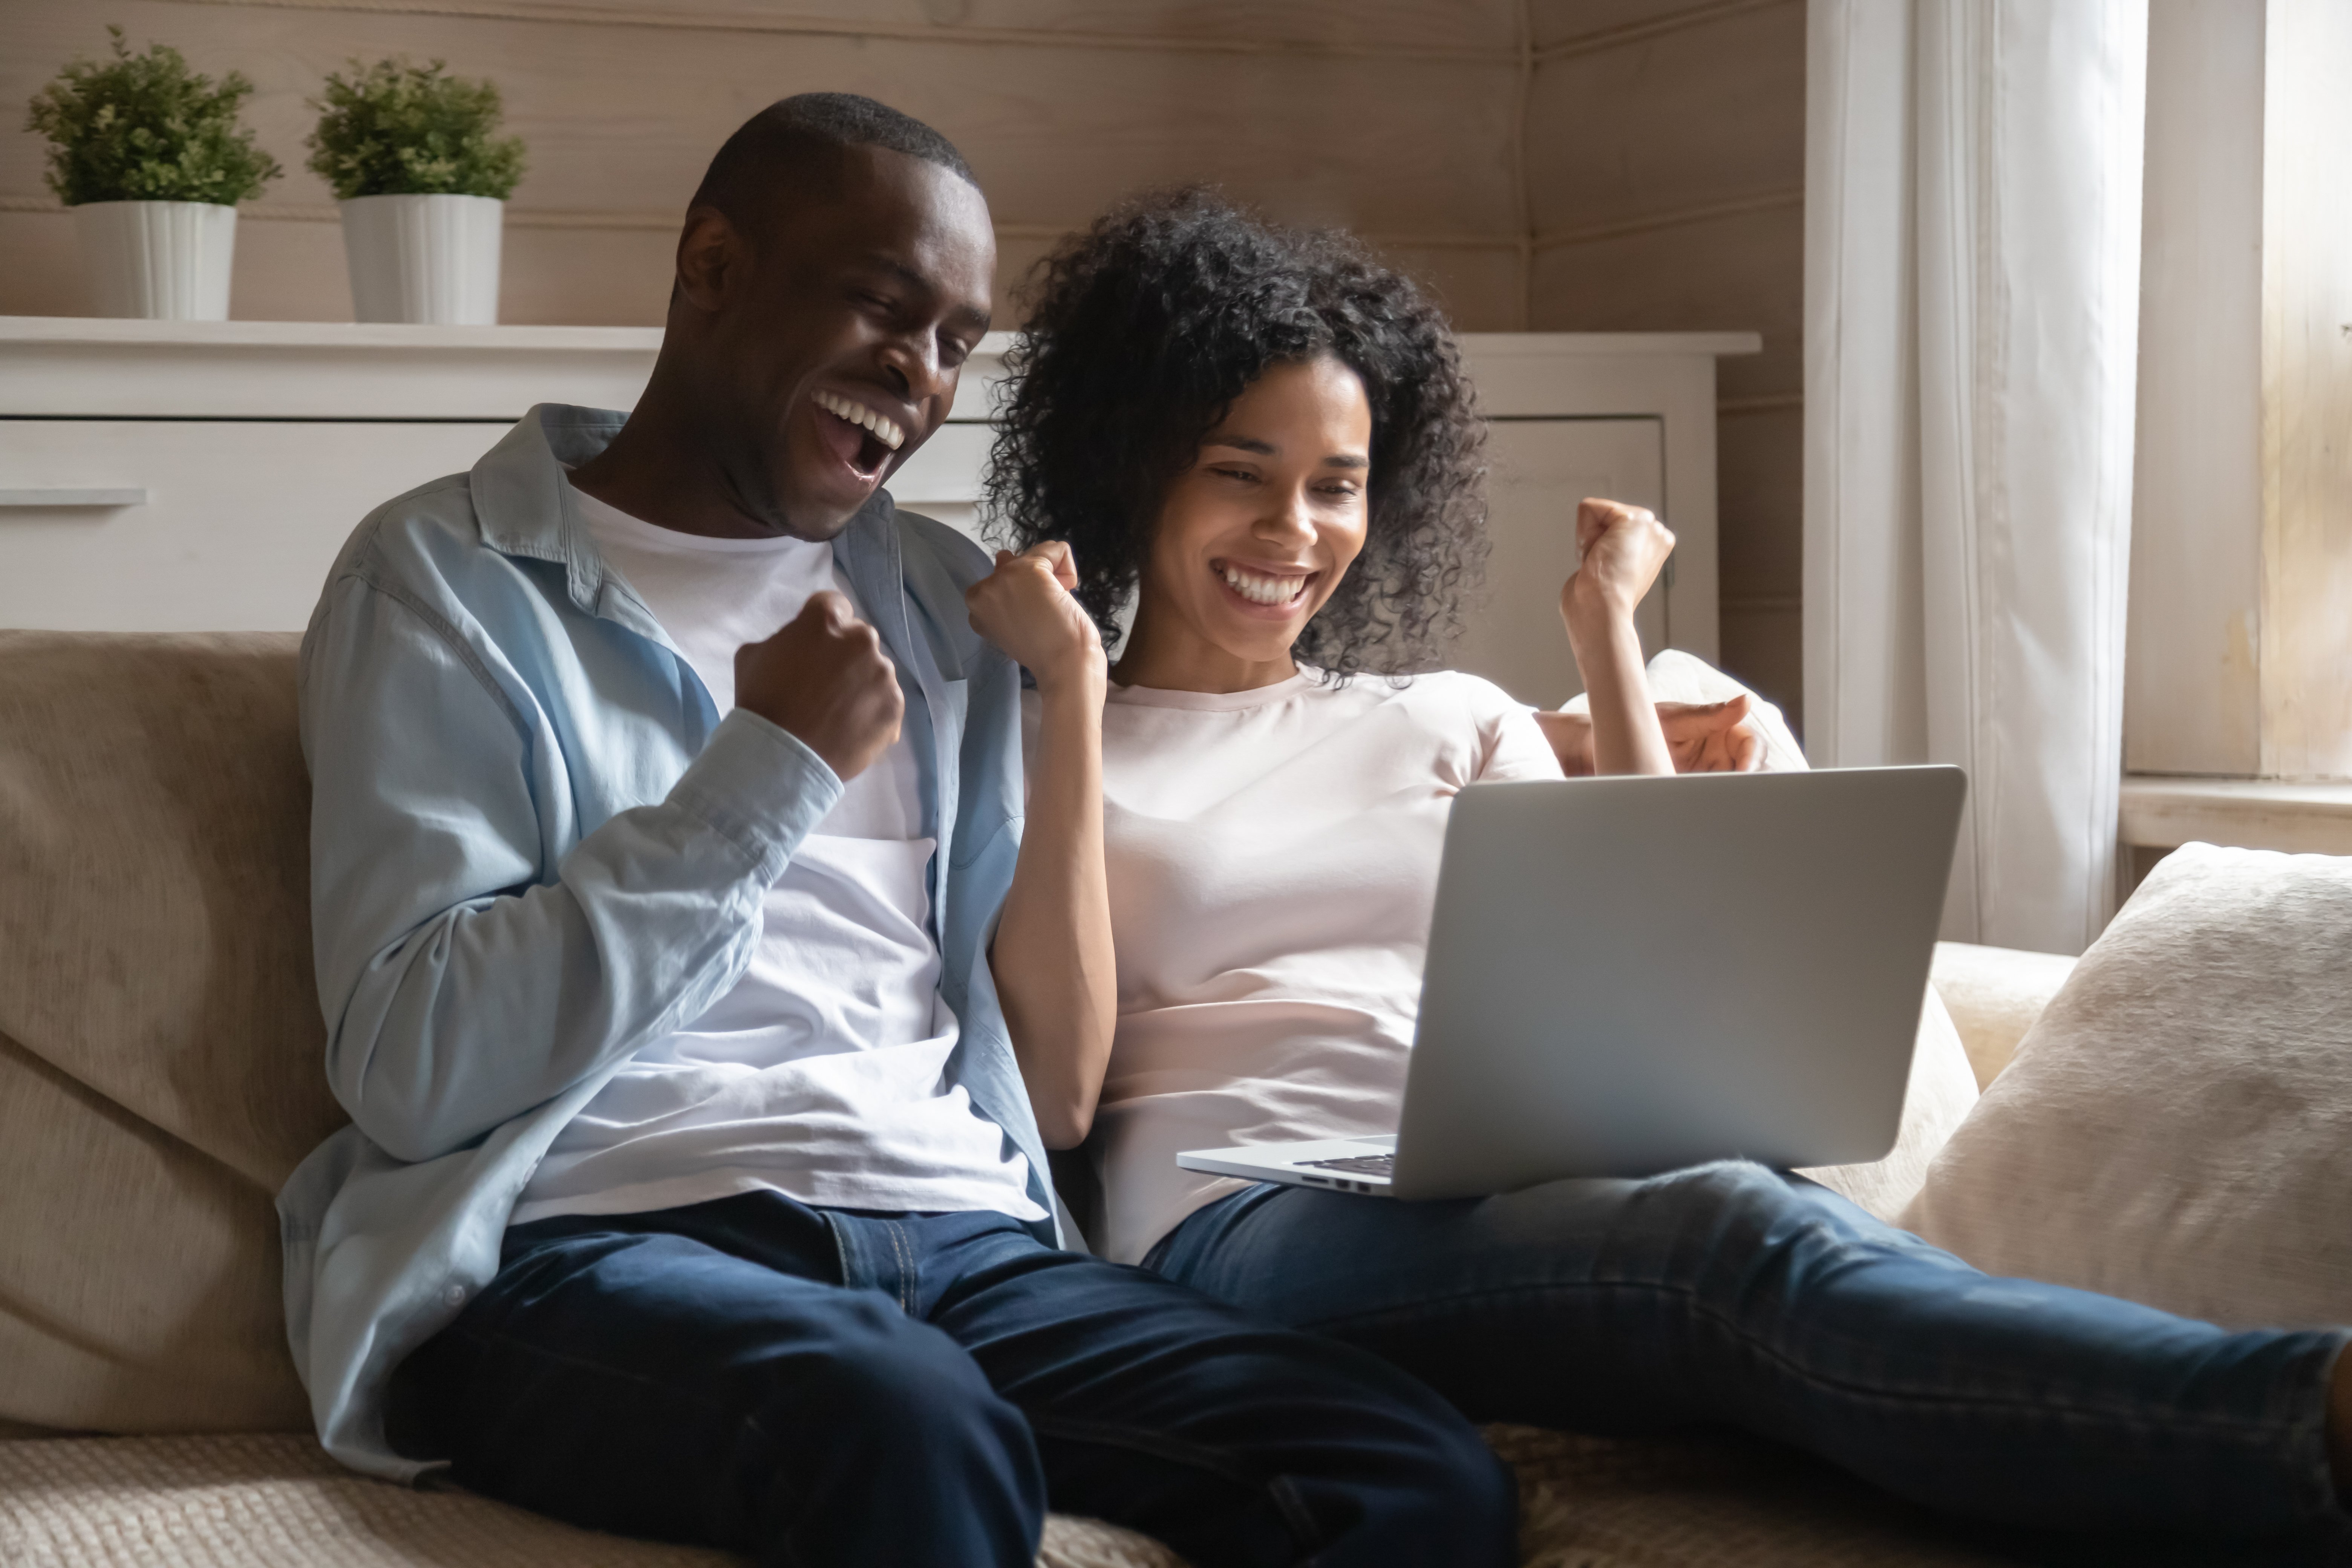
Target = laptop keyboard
(1356,1164)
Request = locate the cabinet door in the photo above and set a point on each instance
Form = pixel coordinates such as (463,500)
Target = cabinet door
(1539,468)
(241,520)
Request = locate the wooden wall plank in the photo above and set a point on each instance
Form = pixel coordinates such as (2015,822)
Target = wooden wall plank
(625,119)
(1570,25)
(1744,272)
(1364,24)
(1759,500)
(1689,119)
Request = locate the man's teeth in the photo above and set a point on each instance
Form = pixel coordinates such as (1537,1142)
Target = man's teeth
(1260,589)
(885,430)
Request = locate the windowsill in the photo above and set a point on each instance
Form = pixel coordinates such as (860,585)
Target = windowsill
(2164,812)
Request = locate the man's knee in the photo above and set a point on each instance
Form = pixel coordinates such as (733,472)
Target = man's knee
(899,1392)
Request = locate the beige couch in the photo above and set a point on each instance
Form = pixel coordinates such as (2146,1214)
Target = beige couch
(160,1076)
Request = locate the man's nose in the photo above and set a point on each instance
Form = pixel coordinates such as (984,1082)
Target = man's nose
(915,363)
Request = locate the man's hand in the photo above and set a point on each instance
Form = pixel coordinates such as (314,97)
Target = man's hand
(826,681)
(1703,738)
(1025,607)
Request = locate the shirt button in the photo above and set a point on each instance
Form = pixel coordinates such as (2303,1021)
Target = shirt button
(455,1295)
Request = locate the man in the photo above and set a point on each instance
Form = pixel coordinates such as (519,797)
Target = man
(692,1190)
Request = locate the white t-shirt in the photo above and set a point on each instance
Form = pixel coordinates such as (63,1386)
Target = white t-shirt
(818,1076)
(1272,860)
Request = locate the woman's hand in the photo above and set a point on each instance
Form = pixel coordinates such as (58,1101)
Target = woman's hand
(1703,737)
(1025,607)
(1619,550)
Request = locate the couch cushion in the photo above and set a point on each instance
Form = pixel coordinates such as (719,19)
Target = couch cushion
(1995,993)
(266,1501)
(159,1037)
(278,1502)
(2177,1127)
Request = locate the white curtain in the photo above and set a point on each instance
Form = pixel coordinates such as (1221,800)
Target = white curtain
(1972,231)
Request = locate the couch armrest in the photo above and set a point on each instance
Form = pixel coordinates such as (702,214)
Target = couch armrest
(1994,993)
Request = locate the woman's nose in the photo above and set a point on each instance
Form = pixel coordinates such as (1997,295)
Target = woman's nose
(1291,520)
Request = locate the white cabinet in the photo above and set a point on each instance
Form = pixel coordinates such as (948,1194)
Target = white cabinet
(183,476)
(239,522)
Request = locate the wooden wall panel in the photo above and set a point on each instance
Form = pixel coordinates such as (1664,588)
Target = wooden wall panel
(1331,26)
(1570,26)
(622,118)
(1694,118)
(1743,271)
(1665,160)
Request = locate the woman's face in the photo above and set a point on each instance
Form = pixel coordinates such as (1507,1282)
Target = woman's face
(1255,535)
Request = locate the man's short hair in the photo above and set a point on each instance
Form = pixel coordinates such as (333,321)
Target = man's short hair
(790,145)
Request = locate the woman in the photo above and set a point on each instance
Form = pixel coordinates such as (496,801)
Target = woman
(1266,438)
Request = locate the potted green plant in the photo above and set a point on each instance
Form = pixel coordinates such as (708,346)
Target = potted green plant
(153,161)
(412,153)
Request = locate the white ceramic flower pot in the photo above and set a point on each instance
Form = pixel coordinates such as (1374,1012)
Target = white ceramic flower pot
(423,259)
(163,260)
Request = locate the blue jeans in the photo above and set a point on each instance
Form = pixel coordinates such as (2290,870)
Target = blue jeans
(814,1386)
(1732,1295)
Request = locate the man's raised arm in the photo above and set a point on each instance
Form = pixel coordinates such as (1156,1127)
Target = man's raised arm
(464,979)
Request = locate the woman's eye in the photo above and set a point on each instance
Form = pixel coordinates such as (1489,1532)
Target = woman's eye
(1242,474)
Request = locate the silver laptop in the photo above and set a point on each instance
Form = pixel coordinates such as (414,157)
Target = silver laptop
(1629,975)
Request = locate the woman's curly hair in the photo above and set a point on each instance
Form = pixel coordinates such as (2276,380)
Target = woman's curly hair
(1142,332)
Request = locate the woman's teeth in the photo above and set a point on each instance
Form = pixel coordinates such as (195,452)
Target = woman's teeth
(885,430)
(1259,589)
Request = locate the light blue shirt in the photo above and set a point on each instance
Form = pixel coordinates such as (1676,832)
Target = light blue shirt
(535,847)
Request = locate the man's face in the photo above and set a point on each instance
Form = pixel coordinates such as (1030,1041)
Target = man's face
(833,349)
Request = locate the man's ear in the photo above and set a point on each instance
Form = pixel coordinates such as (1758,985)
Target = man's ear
(712,257)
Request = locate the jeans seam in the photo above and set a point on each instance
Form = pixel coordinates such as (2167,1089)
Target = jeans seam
(2220,1423)
(1296,1516)
(905,1255)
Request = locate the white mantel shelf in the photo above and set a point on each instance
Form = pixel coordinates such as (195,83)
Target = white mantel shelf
(2162,812)
(69,367)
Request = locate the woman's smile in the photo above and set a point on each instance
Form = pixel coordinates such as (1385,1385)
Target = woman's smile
(1267,588)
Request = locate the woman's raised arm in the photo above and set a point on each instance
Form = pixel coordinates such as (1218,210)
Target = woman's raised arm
(1051,957)
(1620,549)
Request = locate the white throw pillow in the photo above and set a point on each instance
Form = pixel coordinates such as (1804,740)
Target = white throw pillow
(2177,1128)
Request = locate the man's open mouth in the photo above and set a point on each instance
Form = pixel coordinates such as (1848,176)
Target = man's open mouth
(861,437)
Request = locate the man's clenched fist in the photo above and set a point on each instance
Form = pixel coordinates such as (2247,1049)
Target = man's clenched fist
(825,680)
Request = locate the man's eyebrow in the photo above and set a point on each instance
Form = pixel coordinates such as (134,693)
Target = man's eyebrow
(962,315)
